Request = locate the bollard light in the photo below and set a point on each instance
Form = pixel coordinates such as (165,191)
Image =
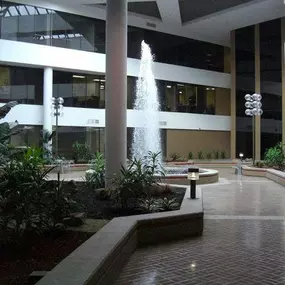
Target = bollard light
(193,176)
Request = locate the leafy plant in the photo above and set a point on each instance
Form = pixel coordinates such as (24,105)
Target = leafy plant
(135,180)
(59,205)
(21,193)
(6,150)
(148,205)
(28,201)
(81,153)
(97,177)
(260,164)
(34,155)
(200,155)
(209,155)
(166,204)
(216,154)
(47,147)
(275,157)
(175,156)
(223,154)
(190,155)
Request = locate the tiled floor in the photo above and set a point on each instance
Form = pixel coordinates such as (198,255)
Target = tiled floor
(243,241)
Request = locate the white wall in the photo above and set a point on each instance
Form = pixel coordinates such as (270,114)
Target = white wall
(33,115)
(25,54)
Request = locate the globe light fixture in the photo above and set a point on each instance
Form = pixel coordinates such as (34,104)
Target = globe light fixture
(253,107)
(57,111)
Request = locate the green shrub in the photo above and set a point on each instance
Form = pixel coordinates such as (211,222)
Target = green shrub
(223,154)
(275,157)
(190,155)
(96,179)
(81,153)
(166,204)
(216,154)
(6,150)
(135,180)
(209,155)
(147,205)
(175,156)
(28,202)
(200,155)
(260,164)
(34,155)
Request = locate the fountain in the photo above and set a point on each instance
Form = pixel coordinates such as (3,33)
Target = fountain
(146,138)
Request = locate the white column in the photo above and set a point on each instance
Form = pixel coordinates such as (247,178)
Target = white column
(47,100)
(116,87)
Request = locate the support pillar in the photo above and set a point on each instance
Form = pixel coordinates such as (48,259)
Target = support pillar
(257,122)
(283,77)
(116,87)
(233,96)
(47,102)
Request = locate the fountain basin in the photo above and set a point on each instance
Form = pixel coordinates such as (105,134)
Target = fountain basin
(178,175)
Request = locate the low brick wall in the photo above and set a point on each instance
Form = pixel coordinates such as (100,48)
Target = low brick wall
(100,259)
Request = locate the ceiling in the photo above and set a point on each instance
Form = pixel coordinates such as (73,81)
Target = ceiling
(207,20)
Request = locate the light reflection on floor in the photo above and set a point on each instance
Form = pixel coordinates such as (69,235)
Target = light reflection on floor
(243,240)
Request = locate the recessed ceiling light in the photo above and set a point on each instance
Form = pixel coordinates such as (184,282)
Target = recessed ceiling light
(78,76)
(168,86)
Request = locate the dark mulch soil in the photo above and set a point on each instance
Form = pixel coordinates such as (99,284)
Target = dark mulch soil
(35,253)
(98,207)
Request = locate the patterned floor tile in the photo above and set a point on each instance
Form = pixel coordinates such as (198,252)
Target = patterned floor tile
(243,242)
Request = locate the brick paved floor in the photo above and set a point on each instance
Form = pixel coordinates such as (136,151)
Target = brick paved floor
(243,241)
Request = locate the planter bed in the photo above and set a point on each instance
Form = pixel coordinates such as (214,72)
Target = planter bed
(97,206)
(35,253)
(43,252)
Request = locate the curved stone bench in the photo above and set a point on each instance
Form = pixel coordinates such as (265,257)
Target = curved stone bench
(271,174)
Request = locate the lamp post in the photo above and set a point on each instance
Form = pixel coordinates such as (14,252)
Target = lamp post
(57,110)
(193,176)
(253,108)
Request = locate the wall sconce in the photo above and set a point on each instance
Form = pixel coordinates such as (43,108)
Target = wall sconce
(193,176)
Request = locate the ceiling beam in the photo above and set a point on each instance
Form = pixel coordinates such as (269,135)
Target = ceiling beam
(170,11)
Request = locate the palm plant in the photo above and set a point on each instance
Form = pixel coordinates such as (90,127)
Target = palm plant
(135,180)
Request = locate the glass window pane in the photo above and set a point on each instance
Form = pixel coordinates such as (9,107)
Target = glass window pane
(5,84)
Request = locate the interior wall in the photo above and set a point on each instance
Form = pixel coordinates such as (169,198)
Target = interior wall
(223,101)
(183,141)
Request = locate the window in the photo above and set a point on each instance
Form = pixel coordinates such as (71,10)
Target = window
(24,85)
(25,23)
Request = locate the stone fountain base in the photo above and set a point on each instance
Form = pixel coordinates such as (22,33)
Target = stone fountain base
(178,175)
